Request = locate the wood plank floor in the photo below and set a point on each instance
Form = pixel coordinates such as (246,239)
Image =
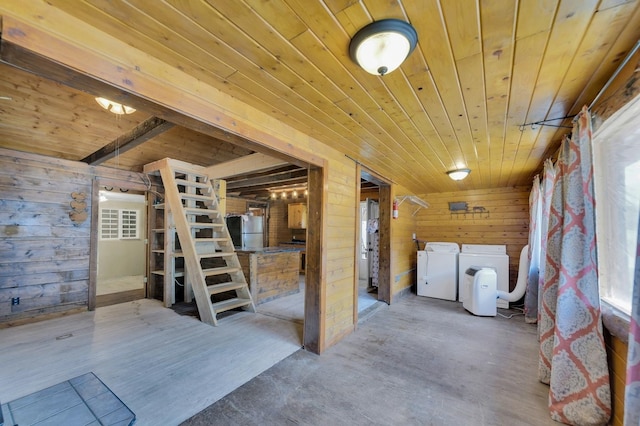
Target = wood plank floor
(165,367)
(419,361)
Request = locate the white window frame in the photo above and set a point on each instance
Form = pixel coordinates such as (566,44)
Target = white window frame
(126,224)
(109,224)
(616,151)
(129,224)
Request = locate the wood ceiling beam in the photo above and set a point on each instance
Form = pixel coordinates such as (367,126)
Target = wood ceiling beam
(247,164)
(270,182)
(148,129)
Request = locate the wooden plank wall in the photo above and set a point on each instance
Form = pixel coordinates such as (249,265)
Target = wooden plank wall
(236,205)
(44,254)
(505,220)
(617,356)
(403,253)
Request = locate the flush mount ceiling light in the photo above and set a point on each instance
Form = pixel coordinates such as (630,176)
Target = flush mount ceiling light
(382,46)
(114,107)
(459,174)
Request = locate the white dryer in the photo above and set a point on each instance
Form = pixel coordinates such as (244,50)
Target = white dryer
(437,270)
(485,256)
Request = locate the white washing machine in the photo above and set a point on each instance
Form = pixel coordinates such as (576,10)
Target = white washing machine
(485,256)
(437,270)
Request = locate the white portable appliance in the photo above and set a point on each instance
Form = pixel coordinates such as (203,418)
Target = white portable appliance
(437,271)
(484,256)
(480,286)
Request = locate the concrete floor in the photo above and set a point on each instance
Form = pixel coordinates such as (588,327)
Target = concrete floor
(419,361)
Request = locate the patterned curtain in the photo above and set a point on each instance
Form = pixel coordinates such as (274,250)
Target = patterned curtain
(546,192)
(531,295)
(572,342)
(548,295)
(632,392)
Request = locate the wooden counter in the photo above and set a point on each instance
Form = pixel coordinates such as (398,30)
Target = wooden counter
(272,272)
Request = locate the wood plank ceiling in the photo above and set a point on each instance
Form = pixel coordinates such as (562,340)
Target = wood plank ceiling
(481,69)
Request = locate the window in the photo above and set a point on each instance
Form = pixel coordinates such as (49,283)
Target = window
(119,224)
(129,224)
(109,224)
(616,163)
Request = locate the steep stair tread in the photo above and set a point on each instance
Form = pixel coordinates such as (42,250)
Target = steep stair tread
(205,225)
(159,206)
(216,254)
(210,240)
(182,170)
(219,271)
(178,272)
(229,304)
(192,184)
(202,212)
(198,197)
(222,287)
(174,253)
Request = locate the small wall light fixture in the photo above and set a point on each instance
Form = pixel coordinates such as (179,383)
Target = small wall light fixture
(459,174)
(382,46)
(114,107)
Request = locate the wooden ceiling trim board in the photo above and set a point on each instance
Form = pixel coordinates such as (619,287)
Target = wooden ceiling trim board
(470,73)
(280,16)
(535,20)
(604,23)
(148,129)
(146,36)
(462,23)
(436,115)
(597,80)
(595,45)
(461,20)
(399,87)
(570,25)
(263,62)
(282,49)
(535,16)
(243,165)
(569,29)
(527,61)
(290,179)
(498,45)
(378,152)
(627,21)
(436,50)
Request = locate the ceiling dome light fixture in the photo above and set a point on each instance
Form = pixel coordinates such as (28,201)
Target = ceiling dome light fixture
(114,107)
(382,46)
(459,174)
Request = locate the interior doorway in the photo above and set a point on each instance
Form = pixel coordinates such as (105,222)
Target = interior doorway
(369,253)
(121,248)
(373,235)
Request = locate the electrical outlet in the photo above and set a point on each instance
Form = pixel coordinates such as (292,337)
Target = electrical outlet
(15,301)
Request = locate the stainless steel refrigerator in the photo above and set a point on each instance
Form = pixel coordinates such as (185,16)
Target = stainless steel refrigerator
(247,232)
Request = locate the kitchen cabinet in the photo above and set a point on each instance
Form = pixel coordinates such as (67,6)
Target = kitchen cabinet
(297,216)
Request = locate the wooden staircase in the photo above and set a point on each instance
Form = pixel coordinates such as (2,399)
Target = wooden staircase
(210,262)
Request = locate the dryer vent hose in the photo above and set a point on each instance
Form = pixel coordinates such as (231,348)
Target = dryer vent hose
(521,284)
